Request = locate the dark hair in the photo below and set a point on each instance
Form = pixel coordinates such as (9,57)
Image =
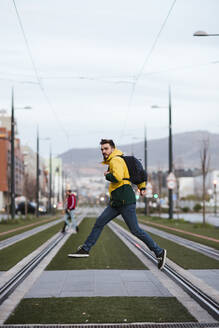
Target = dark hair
(109,141)
(69,190)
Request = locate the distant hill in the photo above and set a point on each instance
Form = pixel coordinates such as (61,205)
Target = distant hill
(186,153)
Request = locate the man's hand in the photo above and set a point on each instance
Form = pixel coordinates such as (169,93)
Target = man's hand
(142,192)
(106,172)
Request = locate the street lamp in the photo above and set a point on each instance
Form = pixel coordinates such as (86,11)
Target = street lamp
(12,153)
(50,180)
(203,33)
(170,190)
(145,167)
(215,197)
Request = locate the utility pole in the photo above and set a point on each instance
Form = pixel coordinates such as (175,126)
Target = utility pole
(58,172)
(215,197)
(37,175)
(170,157)
(145,166)
(63,191)
(50,180)
(12,158)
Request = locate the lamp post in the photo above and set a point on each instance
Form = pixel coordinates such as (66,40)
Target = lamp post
(12,158)
(13,191)
(63,186)
(203,33)
(170,157)
(58,171)
(145,166)
(37,175)
(170,152)
(50,180)
(215,197)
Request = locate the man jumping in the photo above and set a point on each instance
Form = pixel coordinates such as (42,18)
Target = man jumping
(122,201)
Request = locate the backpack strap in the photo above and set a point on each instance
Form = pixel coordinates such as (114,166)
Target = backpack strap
(128,179)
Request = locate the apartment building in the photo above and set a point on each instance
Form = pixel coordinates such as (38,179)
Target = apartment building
(5,167)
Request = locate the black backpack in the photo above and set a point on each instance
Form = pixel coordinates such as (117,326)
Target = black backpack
(136,170)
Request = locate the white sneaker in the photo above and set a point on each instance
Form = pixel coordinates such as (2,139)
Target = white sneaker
(73,230)
(162,259)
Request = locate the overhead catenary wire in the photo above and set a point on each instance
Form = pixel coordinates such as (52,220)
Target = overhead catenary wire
(35,68)
(142,68)
(27,44)
(110,79)
(144,64)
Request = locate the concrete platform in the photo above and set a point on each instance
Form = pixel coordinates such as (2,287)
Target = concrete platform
(79,283)
(210,277)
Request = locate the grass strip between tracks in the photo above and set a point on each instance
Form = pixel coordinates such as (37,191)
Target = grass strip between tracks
(183,256)
(205,231)
(99,310)
(108,253)
(14,227)
(11,255)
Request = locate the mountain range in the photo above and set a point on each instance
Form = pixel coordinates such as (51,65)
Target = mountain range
(186,153)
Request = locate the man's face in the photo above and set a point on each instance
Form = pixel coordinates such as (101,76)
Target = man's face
(106,150)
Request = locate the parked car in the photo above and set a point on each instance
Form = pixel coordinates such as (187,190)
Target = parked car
(31,208)
(42,209)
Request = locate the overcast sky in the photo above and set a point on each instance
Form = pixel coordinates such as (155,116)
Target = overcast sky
(92,69)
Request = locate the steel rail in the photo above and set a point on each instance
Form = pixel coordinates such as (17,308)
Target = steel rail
(16,280)
(7,288)
(26,234)
(202,298)
(203,249)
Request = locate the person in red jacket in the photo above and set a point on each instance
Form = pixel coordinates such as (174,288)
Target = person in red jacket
(69,218)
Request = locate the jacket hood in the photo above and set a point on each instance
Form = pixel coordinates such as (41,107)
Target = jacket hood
(115,153)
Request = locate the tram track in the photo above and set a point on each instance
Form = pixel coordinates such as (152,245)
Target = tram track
(21,236)
(14,280)
(19,277)
(195,246)
(201,248)
(206,301)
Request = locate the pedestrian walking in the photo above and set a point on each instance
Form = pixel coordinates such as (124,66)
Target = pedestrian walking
(69,218)
(122,201)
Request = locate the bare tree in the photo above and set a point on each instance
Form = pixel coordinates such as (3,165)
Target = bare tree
(29,187)
(205,163)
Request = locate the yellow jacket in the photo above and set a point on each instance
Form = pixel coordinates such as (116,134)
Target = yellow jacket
(120,190)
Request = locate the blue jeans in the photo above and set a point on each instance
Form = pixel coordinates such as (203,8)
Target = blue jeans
(128,213)
(72,223)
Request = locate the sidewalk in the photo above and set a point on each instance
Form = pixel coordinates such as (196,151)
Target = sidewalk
(91,283)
